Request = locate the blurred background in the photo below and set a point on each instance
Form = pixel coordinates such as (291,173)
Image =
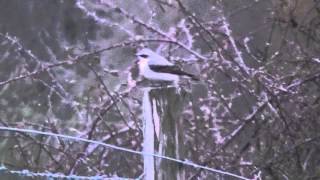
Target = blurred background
(66,67)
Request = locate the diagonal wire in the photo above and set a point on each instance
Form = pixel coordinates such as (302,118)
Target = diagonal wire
(189,163)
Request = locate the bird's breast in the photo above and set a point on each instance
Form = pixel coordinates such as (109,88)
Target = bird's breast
(142,64)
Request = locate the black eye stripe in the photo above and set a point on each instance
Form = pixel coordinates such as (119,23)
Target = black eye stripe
(143,55)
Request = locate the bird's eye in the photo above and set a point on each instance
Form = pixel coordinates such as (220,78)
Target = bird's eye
(143,56)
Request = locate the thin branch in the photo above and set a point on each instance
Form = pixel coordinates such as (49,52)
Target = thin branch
(77,59)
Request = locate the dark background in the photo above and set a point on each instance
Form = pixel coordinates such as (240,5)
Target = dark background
(259,116)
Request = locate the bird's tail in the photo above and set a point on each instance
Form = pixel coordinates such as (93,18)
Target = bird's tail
(193,77)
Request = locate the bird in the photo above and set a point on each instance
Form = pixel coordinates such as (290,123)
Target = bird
(153,66)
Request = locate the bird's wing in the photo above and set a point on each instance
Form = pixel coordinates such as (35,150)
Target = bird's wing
(156,59)
(172,70)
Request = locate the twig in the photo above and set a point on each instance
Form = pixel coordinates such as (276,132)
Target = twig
(79,58)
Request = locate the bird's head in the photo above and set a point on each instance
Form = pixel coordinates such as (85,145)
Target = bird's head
(144,53)
(151,57)
(143,57)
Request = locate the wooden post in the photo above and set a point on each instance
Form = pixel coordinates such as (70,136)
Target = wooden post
(148,136)
(163,117)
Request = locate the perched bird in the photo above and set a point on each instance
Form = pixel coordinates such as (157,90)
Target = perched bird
(155,67)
